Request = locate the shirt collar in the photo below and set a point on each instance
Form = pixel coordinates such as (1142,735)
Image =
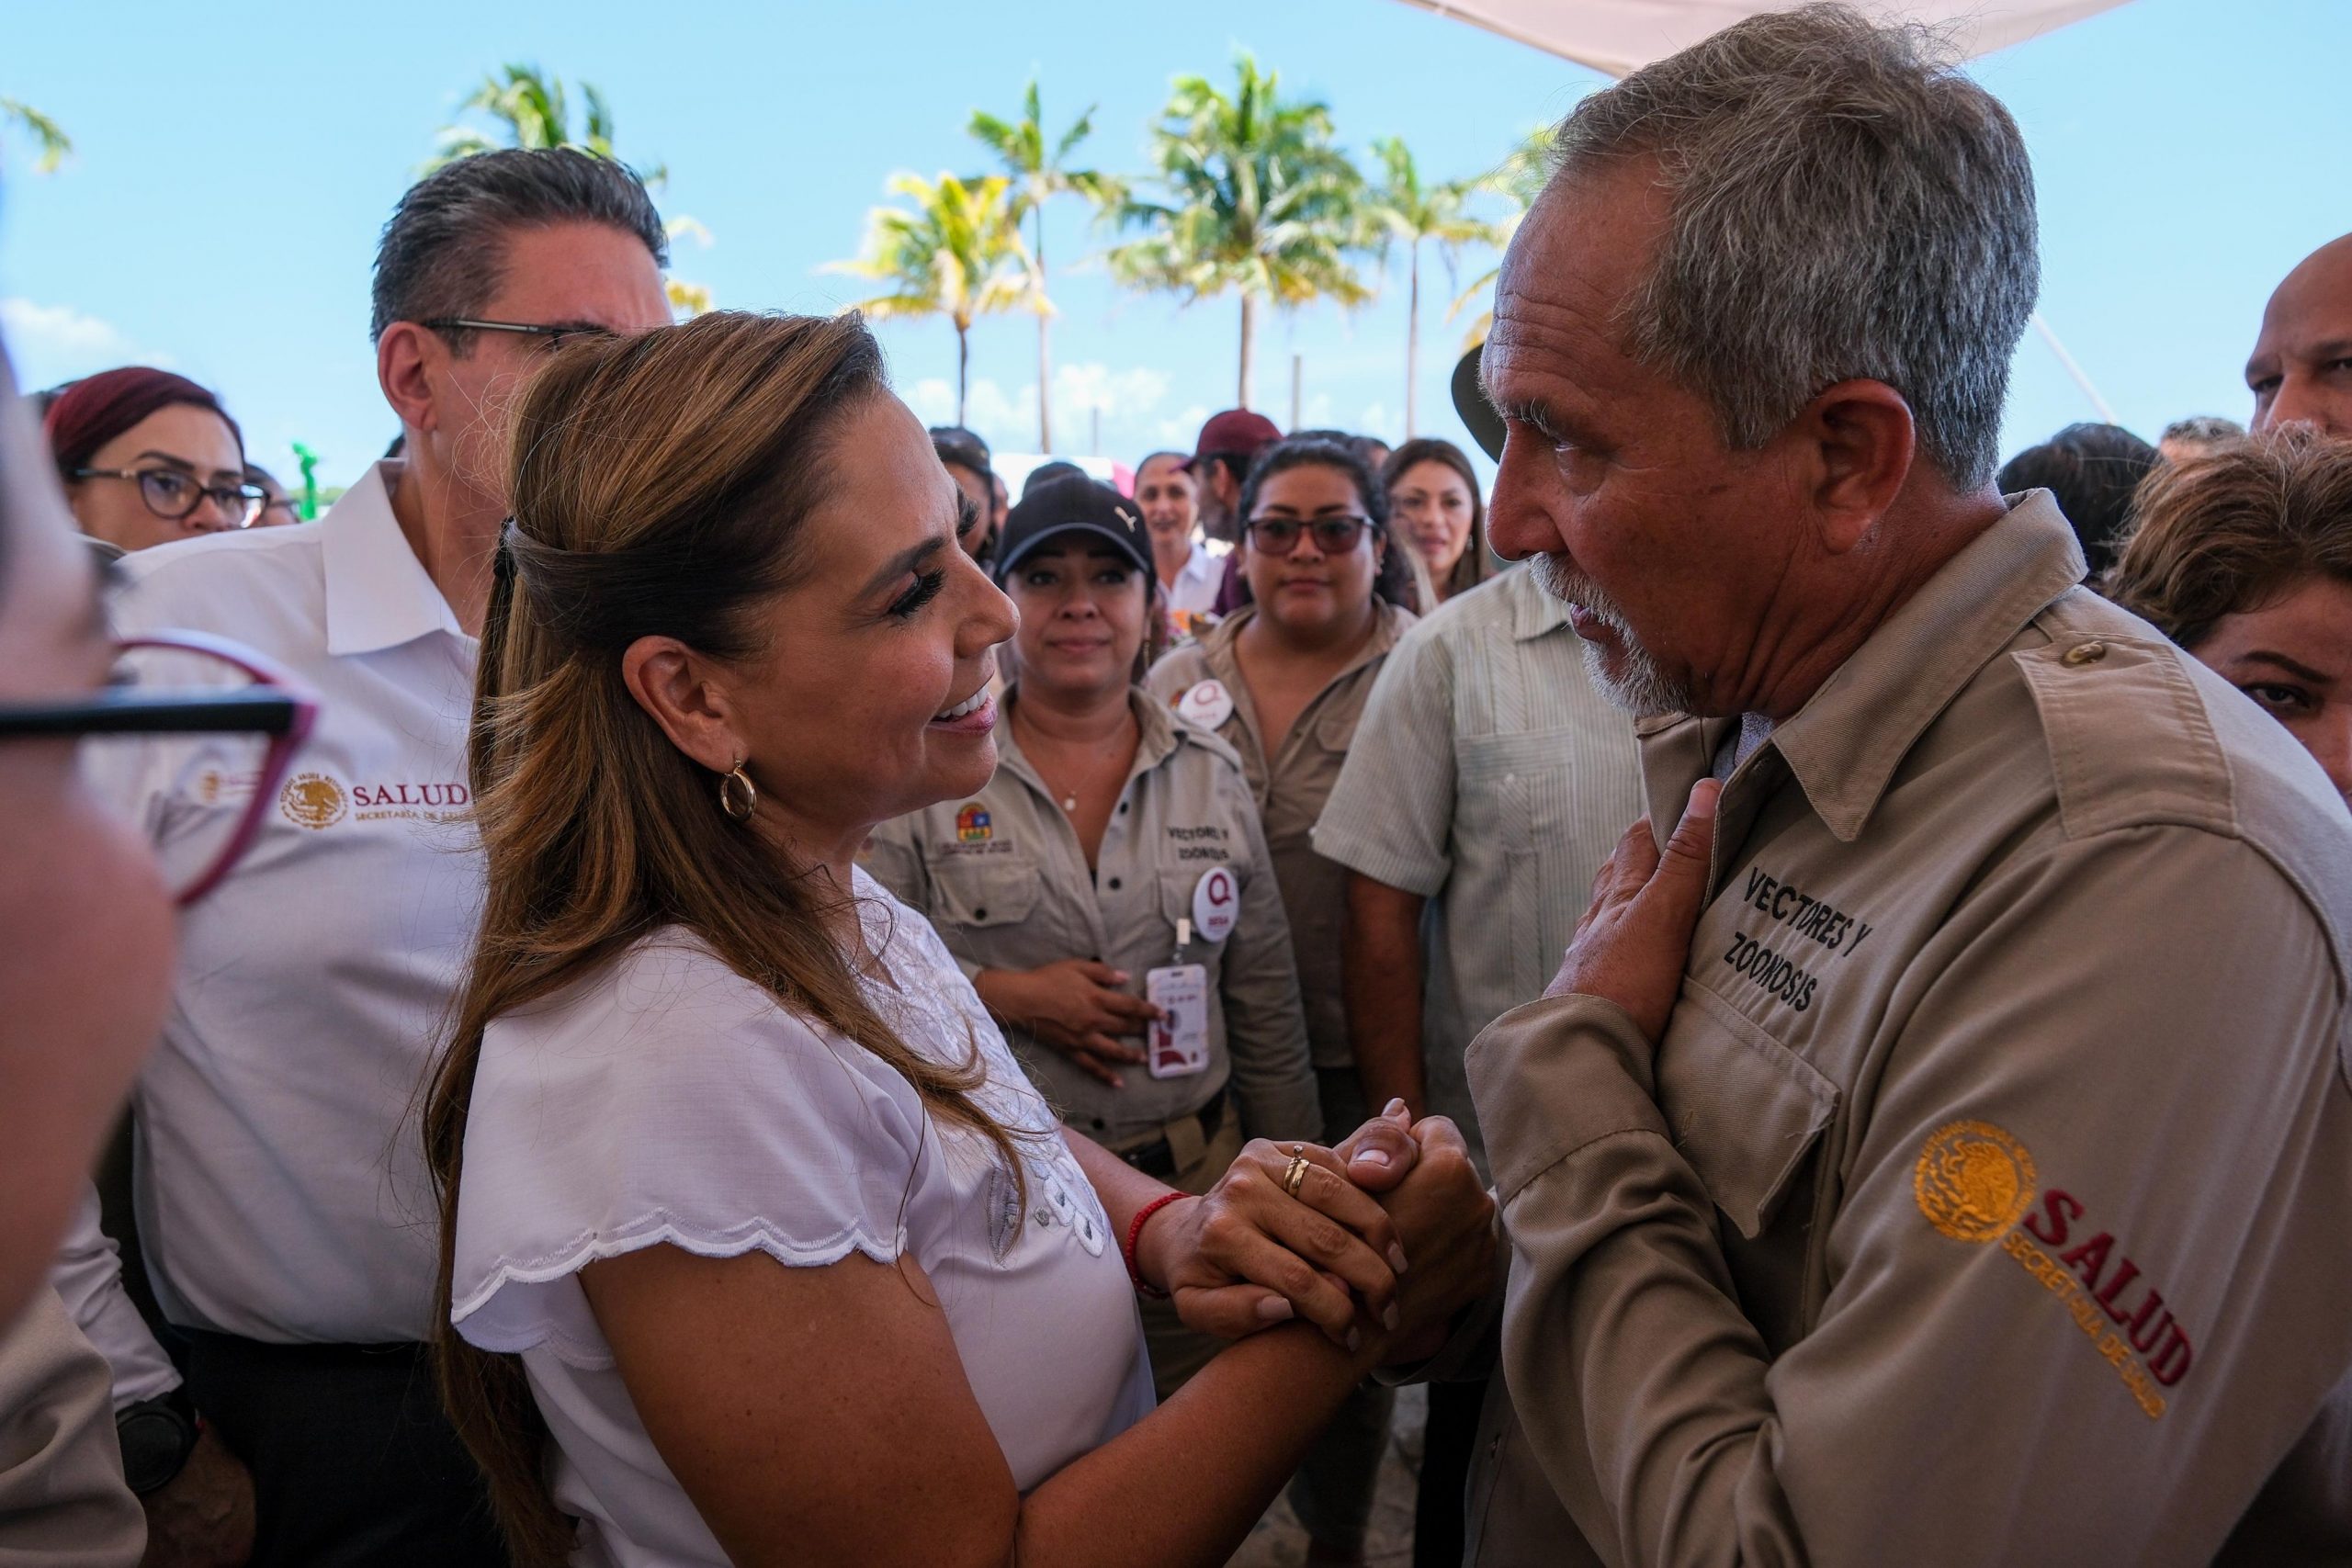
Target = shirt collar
(1216,643)
(1533,612)
(1200,566)
(1844,745)
(379,594)
(1155,737)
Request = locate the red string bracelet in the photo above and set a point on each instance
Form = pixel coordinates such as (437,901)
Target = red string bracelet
(1134,1232)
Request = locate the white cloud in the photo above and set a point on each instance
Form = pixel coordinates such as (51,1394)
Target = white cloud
(934,400)
(57,342)
(1123,394)
(1007,419)
(1184,428)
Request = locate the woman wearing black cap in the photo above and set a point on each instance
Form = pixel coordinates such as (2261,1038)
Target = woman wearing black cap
(1109,892)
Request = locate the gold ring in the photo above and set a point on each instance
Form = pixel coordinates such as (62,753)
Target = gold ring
(1295,1177)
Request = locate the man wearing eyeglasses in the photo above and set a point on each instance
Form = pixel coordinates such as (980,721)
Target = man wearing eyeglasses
(286,1219)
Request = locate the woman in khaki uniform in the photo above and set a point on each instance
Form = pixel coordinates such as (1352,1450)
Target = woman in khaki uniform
(1283,680)
(1115,857)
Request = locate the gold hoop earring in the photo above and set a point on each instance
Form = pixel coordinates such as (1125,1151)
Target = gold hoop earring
(728,798)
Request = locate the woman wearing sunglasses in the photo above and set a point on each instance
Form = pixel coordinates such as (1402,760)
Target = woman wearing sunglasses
(147,458)
(1283,679)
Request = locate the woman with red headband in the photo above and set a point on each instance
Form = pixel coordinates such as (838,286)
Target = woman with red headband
(147,456)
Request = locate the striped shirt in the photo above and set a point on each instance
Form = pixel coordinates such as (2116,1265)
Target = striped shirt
(1489,776)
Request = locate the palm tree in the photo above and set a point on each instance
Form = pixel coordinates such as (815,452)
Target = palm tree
(533,108)
(1519,180)
(54,143)
(533,111)
(1040,173)
(1260,203)
(958,253)
(1402,209)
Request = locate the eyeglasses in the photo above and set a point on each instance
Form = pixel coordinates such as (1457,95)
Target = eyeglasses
(551,338)
(246,719)
(174,496)
(1279,535)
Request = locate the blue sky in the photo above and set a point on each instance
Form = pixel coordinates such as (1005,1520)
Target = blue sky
(234,162)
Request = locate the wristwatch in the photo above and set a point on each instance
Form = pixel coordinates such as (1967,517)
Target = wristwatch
(157,1435)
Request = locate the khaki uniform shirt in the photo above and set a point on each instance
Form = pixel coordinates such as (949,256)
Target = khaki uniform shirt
(1291,789)
(1492,778)
(1986,1198)
(63,1501)
(1003,878)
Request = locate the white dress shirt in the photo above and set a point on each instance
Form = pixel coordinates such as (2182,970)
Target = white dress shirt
(279,1178)
(88,1280)
(664,1099)
(1489,775)
(1192,595)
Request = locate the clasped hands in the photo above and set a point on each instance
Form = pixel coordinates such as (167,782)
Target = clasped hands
(1390,1234)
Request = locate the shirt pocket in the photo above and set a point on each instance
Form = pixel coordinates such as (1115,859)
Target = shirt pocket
(981,893)
(1744,1109)
(1527,796)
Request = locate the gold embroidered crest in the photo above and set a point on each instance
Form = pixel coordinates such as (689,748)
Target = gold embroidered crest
(312,800)
(1973,1180)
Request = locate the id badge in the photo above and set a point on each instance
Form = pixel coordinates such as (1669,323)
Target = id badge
(1178,1044)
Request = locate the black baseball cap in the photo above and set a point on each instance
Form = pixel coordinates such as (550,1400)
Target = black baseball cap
(1073,503)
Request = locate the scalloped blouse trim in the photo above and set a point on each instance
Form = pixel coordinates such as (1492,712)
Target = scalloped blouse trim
(754,1235)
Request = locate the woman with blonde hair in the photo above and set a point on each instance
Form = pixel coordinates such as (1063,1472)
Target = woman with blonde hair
(757,1245)
(2243,557)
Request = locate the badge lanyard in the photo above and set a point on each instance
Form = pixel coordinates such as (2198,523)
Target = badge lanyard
(1178,1044)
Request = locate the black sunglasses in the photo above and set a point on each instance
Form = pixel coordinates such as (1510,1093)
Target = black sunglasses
(1334,535)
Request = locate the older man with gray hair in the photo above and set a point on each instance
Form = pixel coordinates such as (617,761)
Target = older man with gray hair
(1935,1149)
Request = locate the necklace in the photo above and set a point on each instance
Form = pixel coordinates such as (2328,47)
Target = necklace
(1067,798)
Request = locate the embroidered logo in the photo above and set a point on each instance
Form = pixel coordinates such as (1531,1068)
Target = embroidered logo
(1974,1183)
(972,825)
(1973,1180)
(313,800)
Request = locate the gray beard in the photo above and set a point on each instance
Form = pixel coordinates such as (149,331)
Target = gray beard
(1641,688)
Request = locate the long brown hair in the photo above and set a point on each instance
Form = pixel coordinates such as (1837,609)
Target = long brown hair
(2232,529)
(1474,564)
(662,485)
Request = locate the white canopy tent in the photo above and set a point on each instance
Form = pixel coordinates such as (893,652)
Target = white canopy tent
(1621,36)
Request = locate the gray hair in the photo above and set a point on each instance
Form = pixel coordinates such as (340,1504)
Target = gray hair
(1845,204)
(2203,430)
(444,249)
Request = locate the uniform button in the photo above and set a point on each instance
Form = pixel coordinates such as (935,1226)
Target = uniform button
(1114,884)
(2085,653)
(979,914)
(1123,808)
(1098,1124)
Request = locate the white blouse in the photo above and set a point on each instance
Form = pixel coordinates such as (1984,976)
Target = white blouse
(668,1100)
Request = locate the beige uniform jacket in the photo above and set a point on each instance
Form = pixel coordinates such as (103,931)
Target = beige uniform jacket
(1003,878)
(63,1501)
(1989,1197)
(1290,789)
